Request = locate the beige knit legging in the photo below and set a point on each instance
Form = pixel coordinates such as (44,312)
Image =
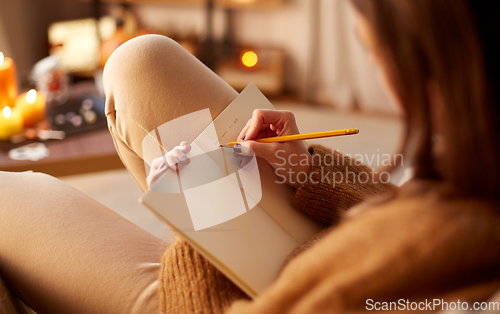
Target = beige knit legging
(62,252)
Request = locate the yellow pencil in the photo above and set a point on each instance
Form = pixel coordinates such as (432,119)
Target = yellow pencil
(305,136)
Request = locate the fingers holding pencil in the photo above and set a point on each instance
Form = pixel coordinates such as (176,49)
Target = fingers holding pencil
(274,136)
(269,123)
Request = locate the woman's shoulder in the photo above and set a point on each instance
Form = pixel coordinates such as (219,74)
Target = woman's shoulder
(417,244)
(420,218)
(431,199)
(435,199)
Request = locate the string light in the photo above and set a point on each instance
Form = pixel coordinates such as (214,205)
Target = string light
(249,59)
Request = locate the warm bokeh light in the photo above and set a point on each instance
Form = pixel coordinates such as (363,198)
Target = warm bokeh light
(31,96)
(6,112)
(249,59)
(1,58)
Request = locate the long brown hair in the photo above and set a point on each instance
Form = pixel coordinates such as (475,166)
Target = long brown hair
(454,44)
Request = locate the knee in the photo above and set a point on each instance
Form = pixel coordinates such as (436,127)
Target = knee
(151,80)
(136,59)
(144,68)
(141,51)
(153,72)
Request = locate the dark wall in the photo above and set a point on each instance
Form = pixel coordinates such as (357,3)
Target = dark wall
(26,22)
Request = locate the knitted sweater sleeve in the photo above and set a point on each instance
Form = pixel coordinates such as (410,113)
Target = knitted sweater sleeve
(336,182)
(190,284)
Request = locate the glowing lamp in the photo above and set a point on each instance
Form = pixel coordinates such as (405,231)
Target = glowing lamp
(249,59)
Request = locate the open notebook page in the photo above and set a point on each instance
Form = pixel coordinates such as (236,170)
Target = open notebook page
(245,238)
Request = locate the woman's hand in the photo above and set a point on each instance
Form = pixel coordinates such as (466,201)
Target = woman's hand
(289,159)
(173,160)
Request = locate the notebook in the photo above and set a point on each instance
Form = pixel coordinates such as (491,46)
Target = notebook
(238,218)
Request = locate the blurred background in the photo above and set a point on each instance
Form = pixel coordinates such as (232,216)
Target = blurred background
(303,54)
(307,49)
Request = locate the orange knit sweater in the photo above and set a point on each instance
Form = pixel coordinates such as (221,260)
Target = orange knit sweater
(416,245)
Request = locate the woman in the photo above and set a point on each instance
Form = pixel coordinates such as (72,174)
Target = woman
(437,237)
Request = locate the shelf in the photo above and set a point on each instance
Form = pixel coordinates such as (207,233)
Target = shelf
(232,4)
(187,3)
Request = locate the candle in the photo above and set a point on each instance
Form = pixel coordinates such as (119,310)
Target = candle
(32,106)
(11,123)
(8,83)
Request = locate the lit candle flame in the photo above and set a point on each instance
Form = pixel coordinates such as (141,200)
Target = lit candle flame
(6,112)
(1,58)
(249,59)
(31,96)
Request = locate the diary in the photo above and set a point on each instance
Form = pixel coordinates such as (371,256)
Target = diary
(234,212)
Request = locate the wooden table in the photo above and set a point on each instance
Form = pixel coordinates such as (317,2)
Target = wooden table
(90,152)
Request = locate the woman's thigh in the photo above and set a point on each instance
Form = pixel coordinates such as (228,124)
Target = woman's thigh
(62,252)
